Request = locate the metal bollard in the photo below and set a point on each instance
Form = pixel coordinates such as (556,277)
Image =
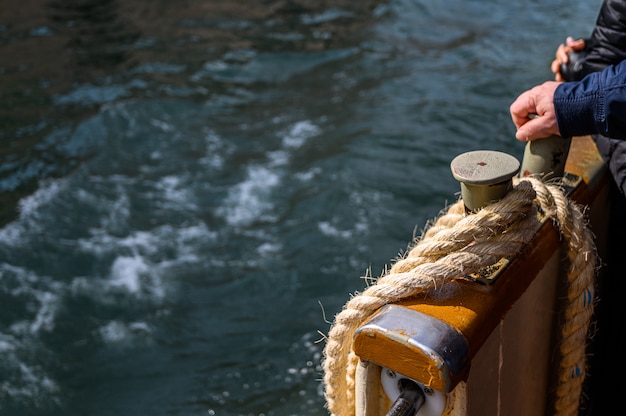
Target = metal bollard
(485,176)
(545,158)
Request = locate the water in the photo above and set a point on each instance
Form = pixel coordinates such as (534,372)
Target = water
(191,191)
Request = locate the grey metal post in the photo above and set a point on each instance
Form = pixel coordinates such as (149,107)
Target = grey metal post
(485,176)
(545,158)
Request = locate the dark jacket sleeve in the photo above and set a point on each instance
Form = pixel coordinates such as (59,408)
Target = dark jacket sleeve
(597,104)
(584,115)
(607,44)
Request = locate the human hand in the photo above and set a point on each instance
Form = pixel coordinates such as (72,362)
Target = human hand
(561,55)
(533,112)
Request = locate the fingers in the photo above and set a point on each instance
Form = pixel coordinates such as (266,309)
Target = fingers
(555,67)
(521,108)
(536,101)
(575,45)
(562,55)
(537,128)
(533,129)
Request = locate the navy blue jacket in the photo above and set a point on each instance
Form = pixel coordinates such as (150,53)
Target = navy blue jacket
(596,104)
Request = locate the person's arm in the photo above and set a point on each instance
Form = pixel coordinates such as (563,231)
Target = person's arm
(596,104)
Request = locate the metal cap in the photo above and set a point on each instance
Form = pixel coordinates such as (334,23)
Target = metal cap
(485,176)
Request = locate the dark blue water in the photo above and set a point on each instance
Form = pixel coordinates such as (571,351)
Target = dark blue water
(191,191)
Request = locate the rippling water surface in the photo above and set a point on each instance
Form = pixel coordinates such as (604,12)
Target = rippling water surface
(191,191)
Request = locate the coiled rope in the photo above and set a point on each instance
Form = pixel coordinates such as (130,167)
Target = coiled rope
(459,244)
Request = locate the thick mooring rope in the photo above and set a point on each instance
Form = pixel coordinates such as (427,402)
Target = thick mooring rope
(459,244)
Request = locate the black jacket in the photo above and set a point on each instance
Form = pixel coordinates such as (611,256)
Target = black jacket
(607,45)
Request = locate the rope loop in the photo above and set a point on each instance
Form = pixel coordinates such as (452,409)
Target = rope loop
(458,244)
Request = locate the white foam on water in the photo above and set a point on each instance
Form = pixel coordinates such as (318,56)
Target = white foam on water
(42,294)
(115,332)
(48,189)
(278,158)
(187,240)
(144,271)
(28,379)
(356,224)
(126,272)
(28,382)
(250,200)
(44,320)
(5,345)
(330,230)
(308,175)
(325,16)
(182,239)
(162,125)
(215,150)
(175,195)
(11,234)
(299,133)
(268,248)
